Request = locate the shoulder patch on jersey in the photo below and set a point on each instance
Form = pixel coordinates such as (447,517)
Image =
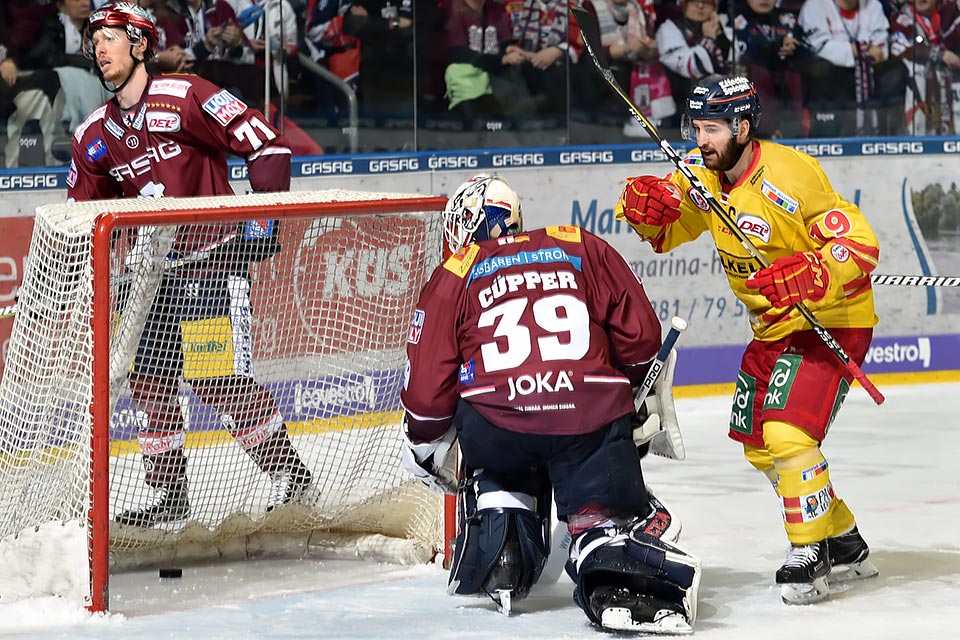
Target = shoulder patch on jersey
(565,232)
(224,107)
(698,199)
(459,263)
(72,174)
(96,150)
(163,121)
(416,326)
(694,159)
(778,197)
(93,117)
(169,87)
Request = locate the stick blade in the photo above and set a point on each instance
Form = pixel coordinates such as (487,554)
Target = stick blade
(590,32)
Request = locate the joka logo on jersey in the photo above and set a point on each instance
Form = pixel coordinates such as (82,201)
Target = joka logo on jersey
(754,226)
(224,106)
(539,383)
(163,121)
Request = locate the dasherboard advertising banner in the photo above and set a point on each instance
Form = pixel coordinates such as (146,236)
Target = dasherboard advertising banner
(905,188)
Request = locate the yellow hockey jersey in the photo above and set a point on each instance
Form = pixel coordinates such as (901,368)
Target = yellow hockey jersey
(784,203)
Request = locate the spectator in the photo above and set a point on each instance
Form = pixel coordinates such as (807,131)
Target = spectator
(28,100)
(848,79)
(385,31)
(479,46)
(927,38)
(771,47)
(57,46)
(252,15)
(693,45)
(541,36)
(329,45)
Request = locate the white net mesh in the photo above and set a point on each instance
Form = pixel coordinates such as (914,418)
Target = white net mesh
(234,370)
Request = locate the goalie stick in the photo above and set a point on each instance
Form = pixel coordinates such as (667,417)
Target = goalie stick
(590,32)
(560,537)
(170,264)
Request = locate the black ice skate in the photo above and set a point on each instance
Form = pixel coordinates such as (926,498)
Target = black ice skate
(620,609)
(169,504)
(848,558)
(288,485)
(803,576)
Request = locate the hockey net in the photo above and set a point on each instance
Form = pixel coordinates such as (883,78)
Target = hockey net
(330,316)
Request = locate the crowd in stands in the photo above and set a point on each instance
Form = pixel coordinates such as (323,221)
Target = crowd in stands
(824,68)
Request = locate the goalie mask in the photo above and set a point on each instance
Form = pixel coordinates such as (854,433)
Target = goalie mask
(483,208)
(718,97)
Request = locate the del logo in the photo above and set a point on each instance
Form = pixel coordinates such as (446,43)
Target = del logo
(163,121)
(416,326)
(96,150)
(224,107)
(754,226)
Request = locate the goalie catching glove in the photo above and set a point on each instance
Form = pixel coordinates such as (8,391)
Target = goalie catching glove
(656,422)
(651,200)
(792,280)
(425,460)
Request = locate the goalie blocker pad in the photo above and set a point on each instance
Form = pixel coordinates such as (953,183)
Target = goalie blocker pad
(645,582)
(502,541)
(657,417)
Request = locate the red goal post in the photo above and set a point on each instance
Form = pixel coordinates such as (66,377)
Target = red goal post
(330,315)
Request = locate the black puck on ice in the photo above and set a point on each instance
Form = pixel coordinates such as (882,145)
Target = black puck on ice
(171,573)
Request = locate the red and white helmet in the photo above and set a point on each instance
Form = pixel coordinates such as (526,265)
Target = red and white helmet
(484,207)
(137,22)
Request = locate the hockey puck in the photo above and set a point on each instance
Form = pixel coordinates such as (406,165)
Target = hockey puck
(171,573)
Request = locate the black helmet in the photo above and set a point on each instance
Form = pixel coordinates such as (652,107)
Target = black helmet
(719,97)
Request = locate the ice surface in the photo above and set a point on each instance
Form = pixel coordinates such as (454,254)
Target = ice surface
(895,465)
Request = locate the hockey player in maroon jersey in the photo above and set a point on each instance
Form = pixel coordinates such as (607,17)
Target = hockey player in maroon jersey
(821,250)
(524,346)
(170,136)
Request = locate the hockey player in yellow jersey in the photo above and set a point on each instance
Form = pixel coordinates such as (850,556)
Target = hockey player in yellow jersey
(821,251)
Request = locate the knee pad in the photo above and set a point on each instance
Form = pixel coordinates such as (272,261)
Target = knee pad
(787,442)
(762,461)
(502,543)
(655,572)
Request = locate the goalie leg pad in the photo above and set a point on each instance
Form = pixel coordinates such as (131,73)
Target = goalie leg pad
(502,543)
(626,569)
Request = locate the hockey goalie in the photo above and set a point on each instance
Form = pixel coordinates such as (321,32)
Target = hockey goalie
(524,348)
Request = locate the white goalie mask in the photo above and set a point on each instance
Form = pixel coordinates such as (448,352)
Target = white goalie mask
(484,207)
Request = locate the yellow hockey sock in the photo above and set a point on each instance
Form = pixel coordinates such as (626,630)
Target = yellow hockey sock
(811,510)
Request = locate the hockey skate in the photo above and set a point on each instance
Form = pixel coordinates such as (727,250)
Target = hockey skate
(803,576)
(288,485)
(619,609)
(169,504)
(848,558)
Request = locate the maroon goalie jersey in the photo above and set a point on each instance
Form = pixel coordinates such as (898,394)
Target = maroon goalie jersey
(175,144)
(543,333)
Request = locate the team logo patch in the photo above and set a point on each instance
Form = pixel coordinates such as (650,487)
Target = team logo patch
(754,226)
(224,107)
(258,229)
(814,471)
(96,150)
(132,142)
(809,507)
(114,129)
(72,174)
(468,372)
(163,121)
(698,199)
(839,252)
(778,197)
(416,326)
(176,88)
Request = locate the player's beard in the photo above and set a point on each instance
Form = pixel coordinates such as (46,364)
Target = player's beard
(727,157)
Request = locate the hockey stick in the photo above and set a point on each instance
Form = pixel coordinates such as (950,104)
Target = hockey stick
(916,281)
(560,537)
(590,32)
(170,264)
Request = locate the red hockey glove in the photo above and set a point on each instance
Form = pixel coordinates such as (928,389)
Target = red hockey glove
(793,279)
(651,200)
